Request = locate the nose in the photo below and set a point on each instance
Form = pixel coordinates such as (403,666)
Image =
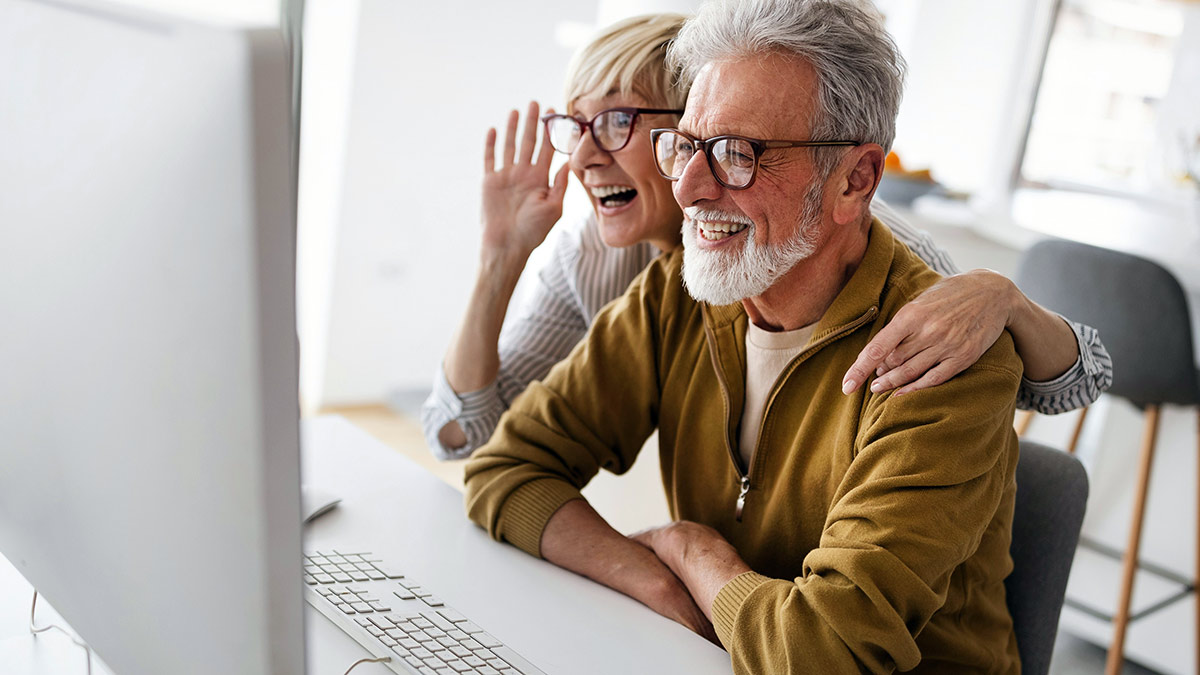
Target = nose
(588,155)
(697,184)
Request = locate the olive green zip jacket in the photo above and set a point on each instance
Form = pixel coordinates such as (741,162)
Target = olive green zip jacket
(877,526)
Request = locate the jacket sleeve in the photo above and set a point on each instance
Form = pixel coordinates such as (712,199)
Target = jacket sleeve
(559,433)
(933,471)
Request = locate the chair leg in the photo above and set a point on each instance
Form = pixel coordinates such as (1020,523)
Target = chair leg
(1116,650)
(1024,417)
(1078,430)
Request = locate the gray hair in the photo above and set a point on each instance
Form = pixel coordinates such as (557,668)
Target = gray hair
(860,72)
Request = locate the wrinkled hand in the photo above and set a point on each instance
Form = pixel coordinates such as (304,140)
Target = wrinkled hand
(937,335)
(702,559)
(519,203)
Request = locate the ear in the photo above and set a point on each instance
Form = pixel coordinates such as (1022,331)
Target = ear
(857,177)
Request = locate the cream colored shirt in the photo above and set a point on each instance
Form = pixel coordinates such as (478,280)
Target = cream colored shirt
(767,354)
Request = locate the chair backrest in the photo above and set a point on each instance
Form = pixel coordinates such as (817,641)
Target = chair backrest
(1138,307)
(1052,490)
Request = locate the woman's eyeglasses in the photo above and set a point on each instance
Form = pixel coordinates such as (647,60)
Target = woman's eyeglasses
(611,129)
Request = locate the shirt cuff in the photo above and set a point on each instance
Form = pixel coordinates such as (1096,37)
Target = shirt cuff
(444,406)
(525,513)
(729,601)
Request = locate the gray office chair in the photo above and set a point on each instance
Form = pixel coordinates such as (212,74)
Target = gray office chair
(1142,315)
(1052,490)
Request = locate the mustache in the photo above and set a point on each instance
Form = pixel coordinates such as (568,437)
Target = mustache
(697,213)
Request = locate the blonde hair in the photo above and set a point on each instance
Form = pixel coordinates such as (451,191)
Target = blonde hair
(630,57)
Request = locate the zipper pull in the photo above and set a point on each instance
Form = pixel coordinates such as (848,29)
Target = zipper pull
(741,500)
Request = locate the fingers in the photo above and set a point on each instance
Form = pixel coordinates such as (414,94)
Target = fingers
(489,151)
(906,371)
(935,376)
(873,355)
(559,189)
(529,138)
(547,151)
(510,139)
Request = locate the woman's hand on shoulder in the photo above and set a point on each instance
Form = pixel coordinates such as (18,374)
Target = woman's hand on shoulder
(937,335)
(520,204)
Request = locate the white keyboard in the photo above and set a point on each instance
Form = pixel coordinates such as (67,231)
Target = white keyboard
(391,615)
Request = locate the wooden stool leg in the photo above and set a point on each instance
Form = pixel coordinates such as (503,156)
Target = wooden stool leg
(1116,650)
(1024,417)
(1078,430)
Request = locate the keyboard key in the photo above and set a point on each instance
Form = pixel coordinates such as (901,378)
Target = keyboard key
(451,615)
(387,641)
(342,577)
(419,591)
(387,570)
(447,642)
(432,600)
(468,627)
(422,622)
(422,653)
(409,643)
(405,594)
(381,622)
(487,670)
(379,606)
(407,626)
(395,633)
(446,656)
(324,578)
(362,621)
(460,652)
(514,659)
(359,576)
(374,630)
(459,666)
(487,640)
(497,663)
(325,590)
(345,608)
(440,621)
(310,580)
(458,635)
(361,607)
(474,661)
(375,574)
(433,662)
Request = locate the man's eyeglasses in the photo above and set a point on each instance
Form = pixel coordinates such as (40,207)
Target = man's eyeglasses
(733,160)
(611,129)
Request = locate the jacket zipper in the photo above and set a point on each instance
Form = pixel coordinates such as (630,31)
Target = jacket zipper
(744,477)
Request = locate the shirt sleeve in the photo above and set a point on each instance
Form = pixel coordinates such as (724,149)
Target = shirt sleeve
(925,504)
(542,333)
(1079,386)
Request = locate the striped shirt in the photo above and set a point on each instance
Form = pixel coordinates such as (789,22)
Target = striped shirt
(583,275)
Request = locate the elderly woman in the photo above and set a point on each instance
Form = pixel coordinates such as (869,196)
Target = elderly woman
(618,88)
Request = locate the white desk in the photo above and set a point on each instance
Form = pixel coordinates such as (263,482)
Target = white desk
(561,622)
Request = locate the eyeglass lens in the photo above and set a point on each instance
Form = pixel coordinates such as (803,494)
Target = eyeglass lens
(610,129)
(731,159)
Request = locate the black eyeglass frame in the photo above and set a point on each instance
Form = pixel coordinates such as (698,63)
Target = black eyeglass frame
(585,126)
(757,144)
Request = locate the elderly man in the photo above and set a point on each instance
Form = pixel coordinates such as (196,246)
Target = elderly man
(815,531)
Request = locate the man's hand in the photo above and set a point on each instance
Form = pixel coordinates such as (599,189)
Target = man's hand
(937,335)
(698,555)
(578,539)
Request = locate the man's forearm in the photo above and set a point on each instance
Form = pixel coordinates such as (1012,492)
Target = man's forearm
(579,539)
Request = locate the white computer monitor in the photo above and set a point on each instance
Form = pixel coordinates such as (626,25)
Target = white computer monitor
(149,469)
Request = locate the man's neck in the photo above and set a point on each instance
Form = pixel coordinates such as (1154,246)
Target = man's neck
(803,294)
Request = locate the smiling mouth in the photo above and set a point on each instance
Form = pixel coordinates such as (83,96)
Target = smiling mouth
(613,196)
(711,231)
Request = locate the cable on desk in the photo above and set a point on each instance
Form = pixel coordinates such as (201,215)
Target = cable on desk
(35,629)
(382,659)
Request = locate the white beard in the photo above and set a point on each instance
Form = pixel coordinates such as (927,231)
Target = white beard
(726,277)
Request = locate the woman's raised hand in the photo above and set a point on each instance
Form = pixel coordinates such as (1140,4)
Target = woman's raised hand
(520,205)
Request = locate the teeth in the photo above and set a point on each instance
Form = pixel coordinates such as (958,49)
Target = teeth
(717,231)
(602,191)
